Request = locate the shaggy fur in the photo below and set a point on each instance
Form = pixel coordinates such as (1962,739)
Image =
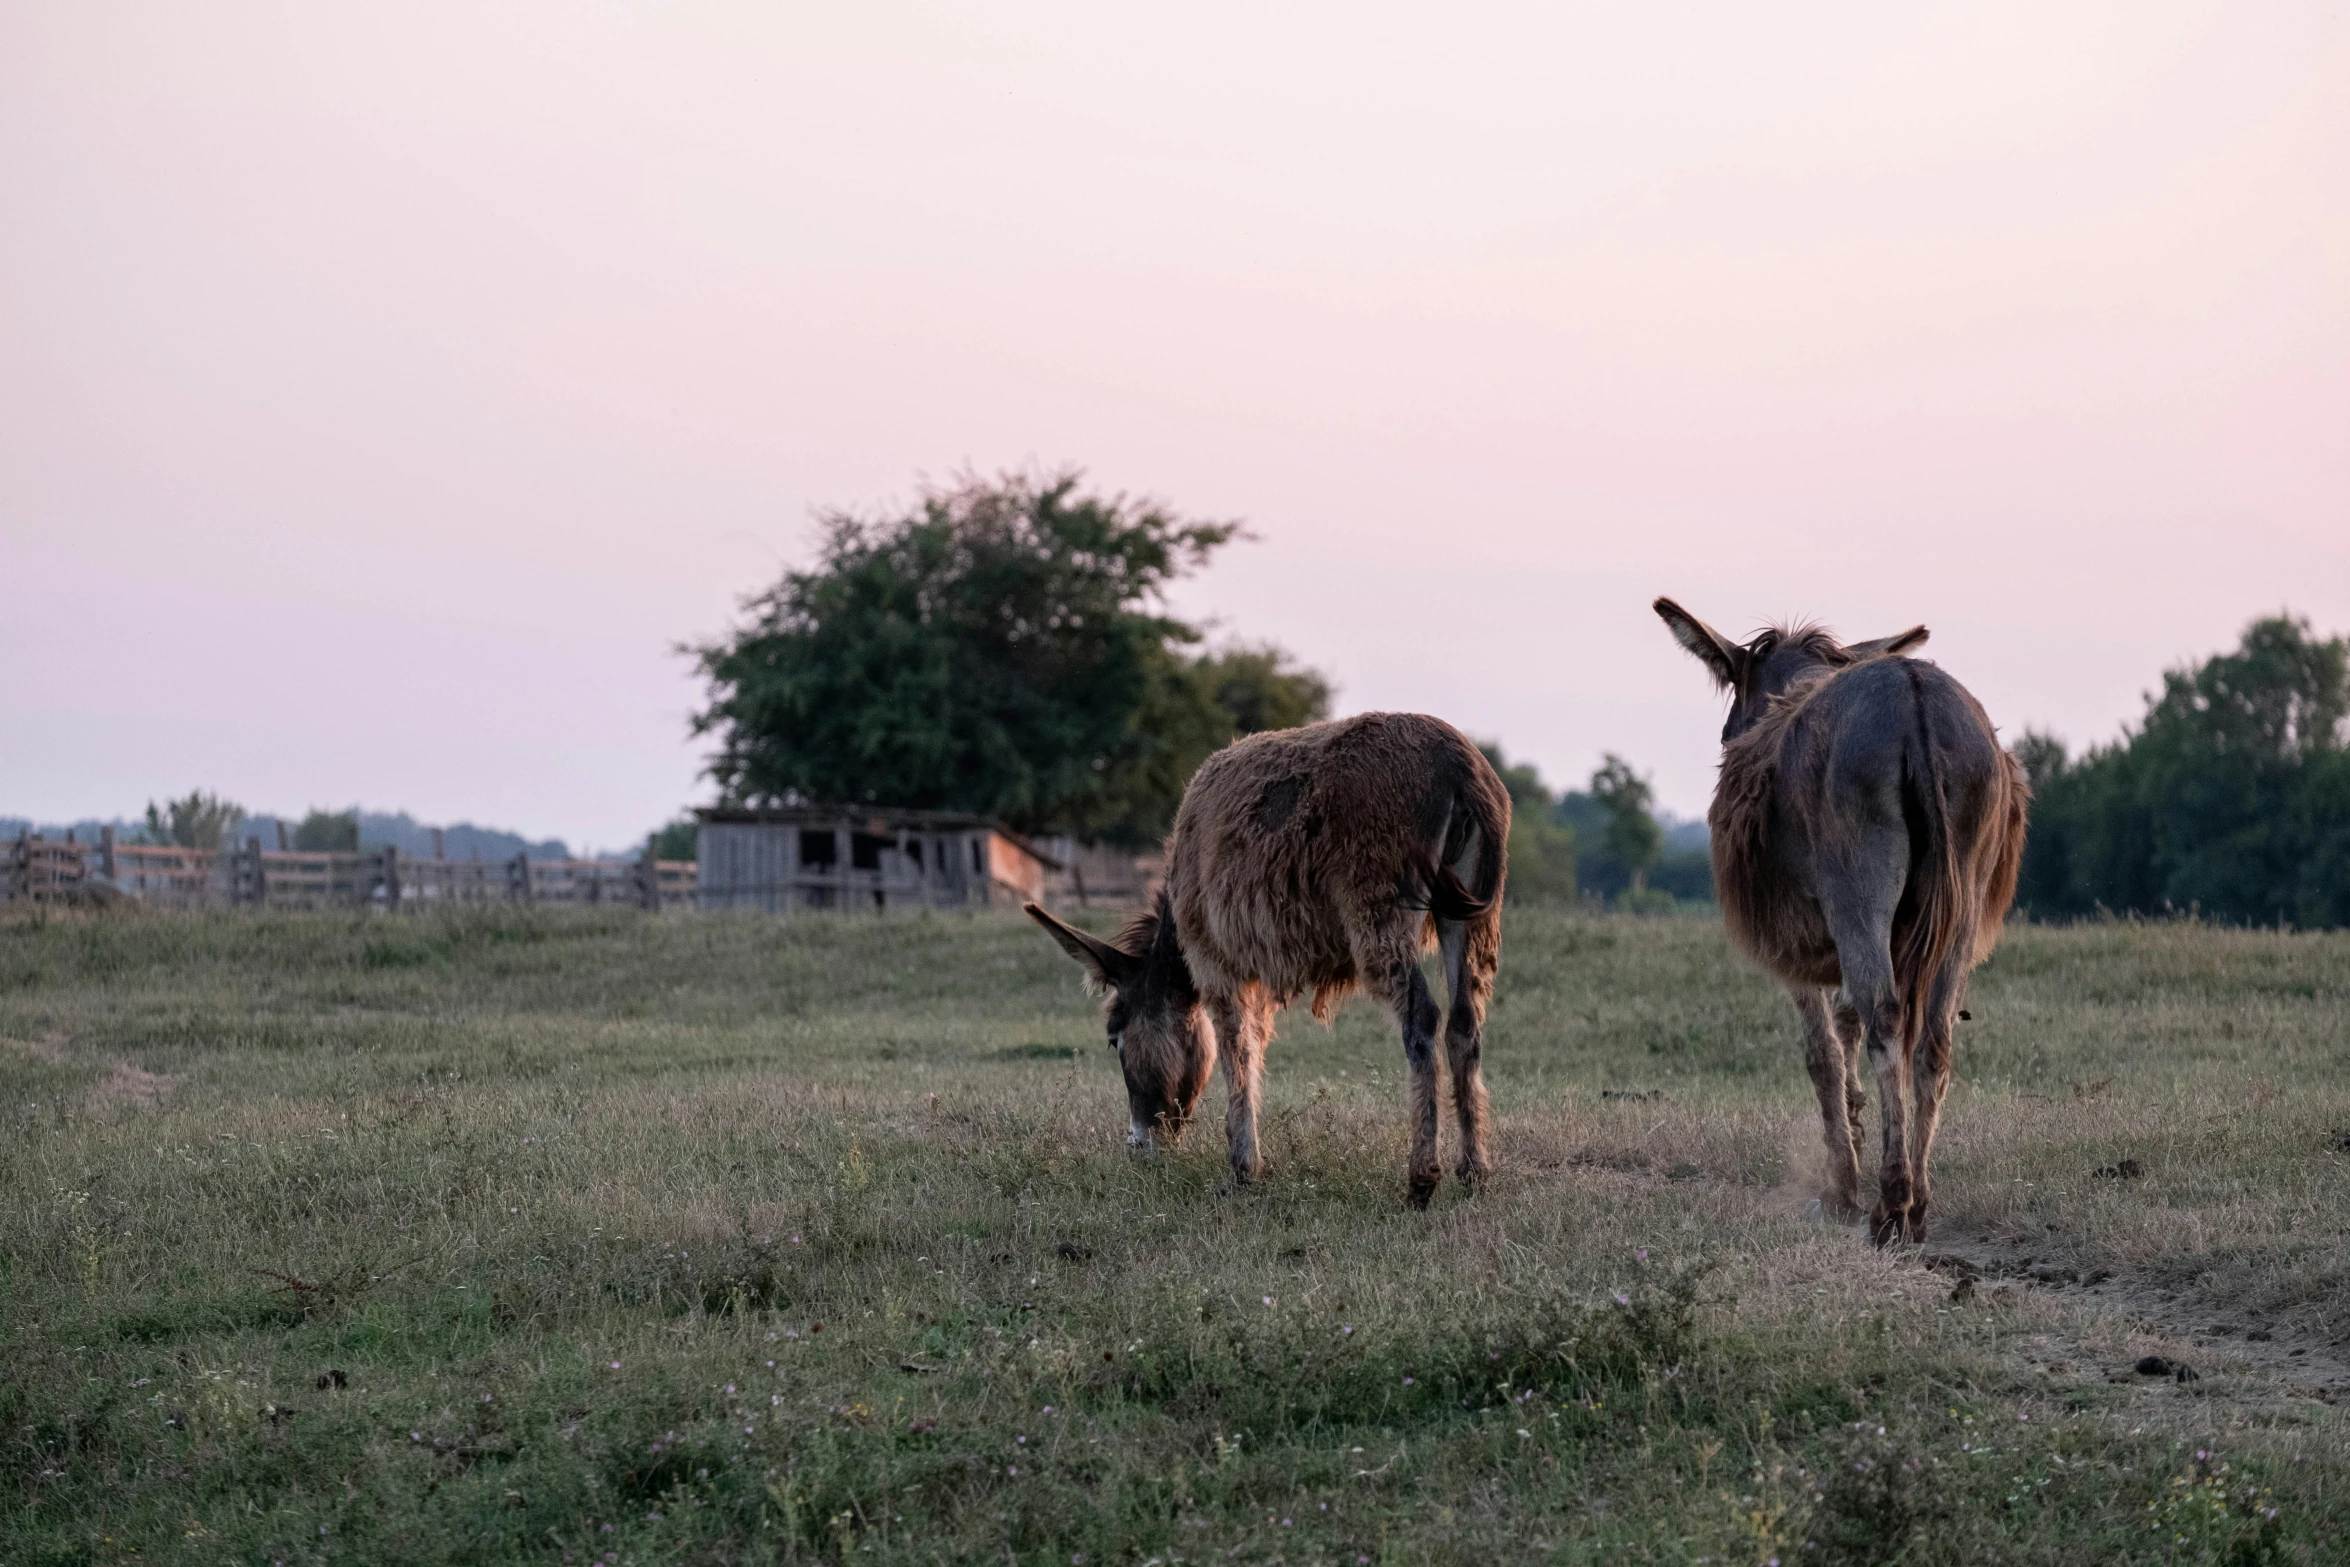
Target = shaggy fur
(1314,861)
(1867,829)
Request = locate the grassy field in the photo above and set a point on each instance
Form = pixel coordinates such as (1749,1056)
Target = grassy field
(607,1239)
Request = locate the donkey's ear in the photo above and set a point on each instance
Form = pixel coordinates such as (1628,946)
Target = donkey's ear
(1717,652)
(1893,646)
(1104,964)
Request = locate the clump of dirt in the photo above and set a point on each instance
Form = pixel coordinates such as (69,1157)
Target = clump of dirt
(50,1048)
(125,1085)
(128,1087)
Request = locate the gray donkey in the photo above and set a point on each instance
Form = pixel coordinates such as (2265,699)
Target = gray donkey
(1866,831)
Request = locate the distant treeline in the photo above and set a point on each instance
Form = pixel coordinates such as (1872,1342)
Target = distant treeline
(2231,799)
(202,820)
(1601,844)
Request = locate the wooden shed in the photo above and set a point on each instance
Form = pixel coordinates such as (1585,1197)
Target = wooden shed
(783,859)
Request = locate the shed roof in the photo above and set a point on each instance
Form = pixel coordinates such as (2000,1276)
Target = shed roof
(875,819)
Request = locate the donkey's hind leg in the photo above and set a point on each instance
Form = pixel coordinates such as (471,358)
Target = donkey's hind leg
(1825,1054)
(1395,982)
(1930,1071)
(1471,952)
(1852,1032)
(1864,950)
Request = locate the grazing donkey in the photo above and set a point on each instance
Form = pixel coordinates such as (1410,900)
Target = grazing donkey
(1866,829)
(1314,859)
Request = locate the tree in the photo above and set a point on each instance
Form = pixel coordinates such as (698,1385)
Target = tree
(677,840)
(1005,650)
(1632,834)
(1541,847)
(2232,796)
(1258,688)
(201,821)
(1193,708)
(328,832)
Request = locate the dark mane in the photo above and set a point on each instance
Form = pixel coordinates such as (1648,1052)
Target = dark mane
(1150,936)
(1134,938)
(1752,898)
(1807,637)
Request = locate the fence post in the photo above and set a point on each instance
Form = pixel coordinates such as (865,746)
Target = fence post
(106,854)
(648,877)
(518,887)
(391,876)
(258,892)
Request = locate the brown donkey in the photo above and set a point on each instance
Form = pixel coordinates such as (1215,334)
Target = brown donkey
(1314,859)
(1866,830)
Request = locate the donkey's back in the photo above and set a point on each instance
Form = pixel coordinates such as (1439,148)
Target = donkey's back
(1879,796)
(1295,849)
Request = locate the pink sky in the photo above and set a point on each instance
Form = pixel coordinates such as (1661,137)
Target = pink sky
(382,397)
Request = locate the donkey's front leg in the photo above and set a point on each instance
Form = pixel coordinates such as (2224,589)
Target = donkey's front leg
(1240,1034)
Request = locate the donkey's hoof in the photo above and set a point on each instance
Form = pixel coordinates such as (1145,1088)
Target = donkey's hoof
(1422,1188)
(1474,1176)
(1886,1226)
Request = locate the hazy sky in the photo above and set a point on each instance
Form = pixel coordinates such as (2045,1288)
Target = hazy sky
(383,396)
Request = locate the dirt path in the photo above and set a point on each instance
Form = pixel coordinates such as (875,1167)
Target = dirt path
(123,1086)
(2179,1332)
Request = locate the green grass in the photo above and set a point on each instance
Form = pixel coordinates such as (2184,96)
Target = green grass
(603,1238)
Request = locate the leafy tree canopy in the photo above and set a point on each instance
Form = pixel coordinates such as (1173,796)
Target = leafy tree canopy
(328,831)
(1258,688)
(677,840)
(201,821)
(1003,649)
(2231,797)
(1633,835)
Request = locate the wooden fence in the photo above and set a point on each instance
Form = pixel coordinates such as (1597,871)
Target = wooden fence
(35,869)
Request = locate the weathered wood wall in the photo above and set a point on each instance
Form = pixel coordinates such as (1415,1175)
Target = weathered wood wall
(850,862)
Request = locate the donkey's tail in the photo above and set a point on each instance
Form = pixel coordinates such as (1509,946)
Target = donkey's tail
(1483,805)
(1938,894)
